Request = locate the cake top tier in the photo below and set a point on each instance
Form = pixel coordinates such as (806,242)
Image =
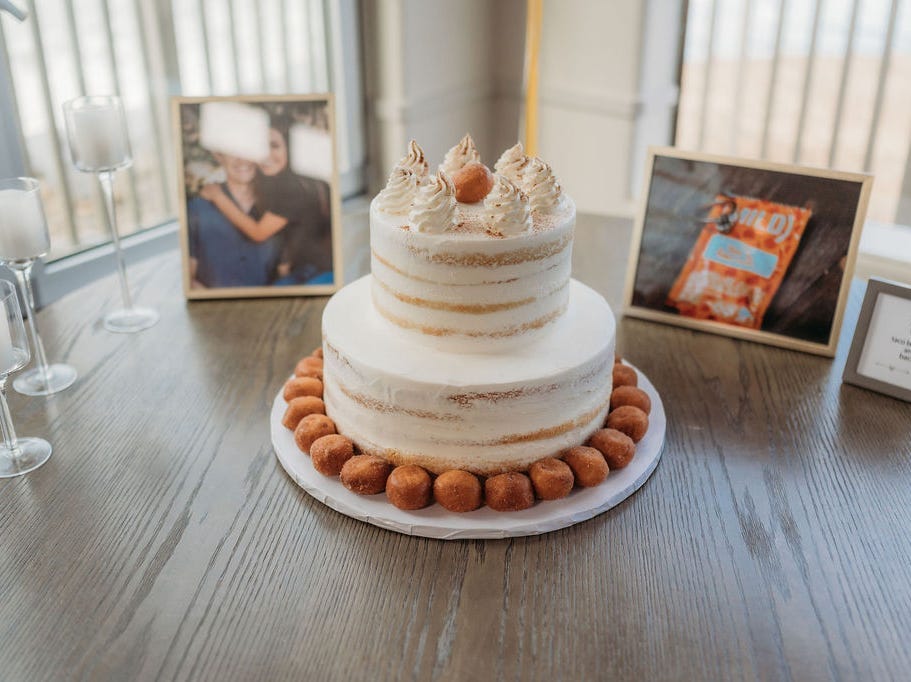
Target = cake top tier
(522,195)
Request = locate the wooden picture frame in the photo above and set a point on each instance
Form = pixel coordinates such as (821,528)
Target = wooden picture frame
(873,361)
(218,257)
(825,252)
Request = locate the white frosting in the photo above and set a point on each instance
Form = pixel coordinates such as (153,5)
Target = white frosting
(482,412)
(434,207)
(507,207)
(541,186)
(463,153)
(399,193)
(414,160)
(512,163)
(465,290)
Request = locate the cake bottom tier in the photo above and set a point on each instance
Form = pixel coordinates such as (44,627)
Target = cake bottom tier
(484,412)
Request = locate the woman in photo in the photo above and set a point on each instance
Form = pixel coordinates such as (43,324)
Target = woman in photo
(289,210)
(220,255)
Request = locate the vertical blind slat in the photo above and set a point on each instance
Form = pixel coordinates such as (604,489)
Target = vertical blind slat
(116,77)
(843,83)
(740,79)
(285,44)
(773,81)
(48,102)
(707,77)
(204,29)
(235,45)
(807,81)
(881,86)
(160,142)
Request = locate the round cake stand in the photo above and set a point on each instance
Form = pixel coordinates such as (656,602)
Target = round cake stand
(436,522)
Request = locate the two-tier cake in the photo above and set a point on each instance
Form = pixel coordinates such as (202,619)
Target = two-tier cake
(469,346)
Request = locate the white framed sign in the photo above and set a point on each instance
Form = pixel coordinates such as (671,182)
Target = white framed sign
(880,356)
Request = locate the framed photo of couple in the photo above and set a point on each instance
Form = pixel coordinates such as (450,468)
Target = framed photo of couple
(258,195)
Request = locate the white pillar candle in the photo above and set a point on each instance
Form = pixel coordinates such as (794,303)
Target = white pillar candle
(23,229)
(7,357)
(98,140)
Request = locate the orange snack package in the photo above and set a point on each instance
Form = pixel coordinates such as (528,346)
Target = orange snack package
(739,260)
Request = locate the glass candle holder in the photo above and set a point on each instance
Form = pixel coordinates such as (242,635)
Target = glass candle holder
(24,239)
(97,133)
(18,456)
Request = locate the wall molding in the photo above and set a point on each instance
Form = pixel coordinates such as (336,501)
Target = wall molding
(401,110)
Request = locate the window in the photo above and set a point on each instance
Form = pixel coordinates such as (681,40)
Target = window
(822,83)
(146,52)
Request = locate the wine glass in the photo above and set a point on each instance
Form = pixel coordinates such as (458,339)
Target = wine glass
(99,144)
(23,239)
(17,455)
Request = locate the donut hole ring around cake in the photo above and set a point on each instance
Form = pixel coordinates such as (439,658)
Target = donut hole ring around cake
(410,487)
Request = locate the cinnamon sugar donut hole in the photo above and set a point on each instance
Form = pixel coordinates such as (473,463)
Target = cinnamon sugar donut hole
(617,448)
(365,474)
(301,386)
(307,364)
(551,478)
(317,352)
(329,453)
(298,408)
(408,487)
(588,465)
(307,371)
(624,375)
(509,492)
(630,395)
(312,427)
(630,420)
(457,491)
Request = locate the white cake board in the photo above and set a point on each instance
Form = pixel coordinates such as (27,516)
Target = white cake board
(436,522)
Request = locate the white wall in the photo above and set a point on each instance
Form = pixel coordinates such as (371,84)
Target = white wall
(437,69)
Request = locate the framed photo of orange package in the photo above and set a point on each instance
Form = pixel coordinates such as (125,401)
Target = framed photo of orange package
(258,195)
(750,249)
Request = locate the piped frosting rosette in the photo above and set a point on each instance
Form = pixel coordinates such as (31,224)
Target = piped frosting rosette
(415,162)
(399,193)
(512,163)
(508,208)
(541,186)
(434,208)
(459,156)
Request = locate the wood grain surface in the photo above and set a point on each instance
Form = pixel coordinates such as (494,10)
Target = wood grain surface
(163,541)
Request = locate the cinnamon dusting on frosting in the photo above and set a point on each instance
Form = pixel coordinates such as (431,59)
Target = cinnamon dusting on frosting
(475,308)
(488,260)
(541,186)
(399,193)
(416,162)
(512,163)
(508,208)
(503,333)
(460,155)
(434,207)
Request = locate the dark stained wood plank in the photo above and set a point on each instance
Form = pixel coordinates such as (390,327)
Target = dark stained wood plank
(163,541)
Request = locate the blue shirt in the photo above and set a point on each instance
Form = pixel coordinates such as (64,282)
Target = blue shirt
(225,256)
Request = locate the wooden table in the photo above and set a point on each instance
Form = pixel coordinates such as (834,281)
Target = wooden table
(163,540)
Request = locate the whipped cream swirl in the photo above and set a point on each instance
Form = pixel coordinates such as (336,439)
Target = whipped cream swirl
(459,156)
(416,162)
(541,186)
(399,192)
(507,208)
(434,207)
(512,163)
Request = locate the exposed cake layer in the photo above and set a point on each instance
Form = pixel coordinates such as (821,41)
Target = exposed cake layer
(466,289)
(484,413)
